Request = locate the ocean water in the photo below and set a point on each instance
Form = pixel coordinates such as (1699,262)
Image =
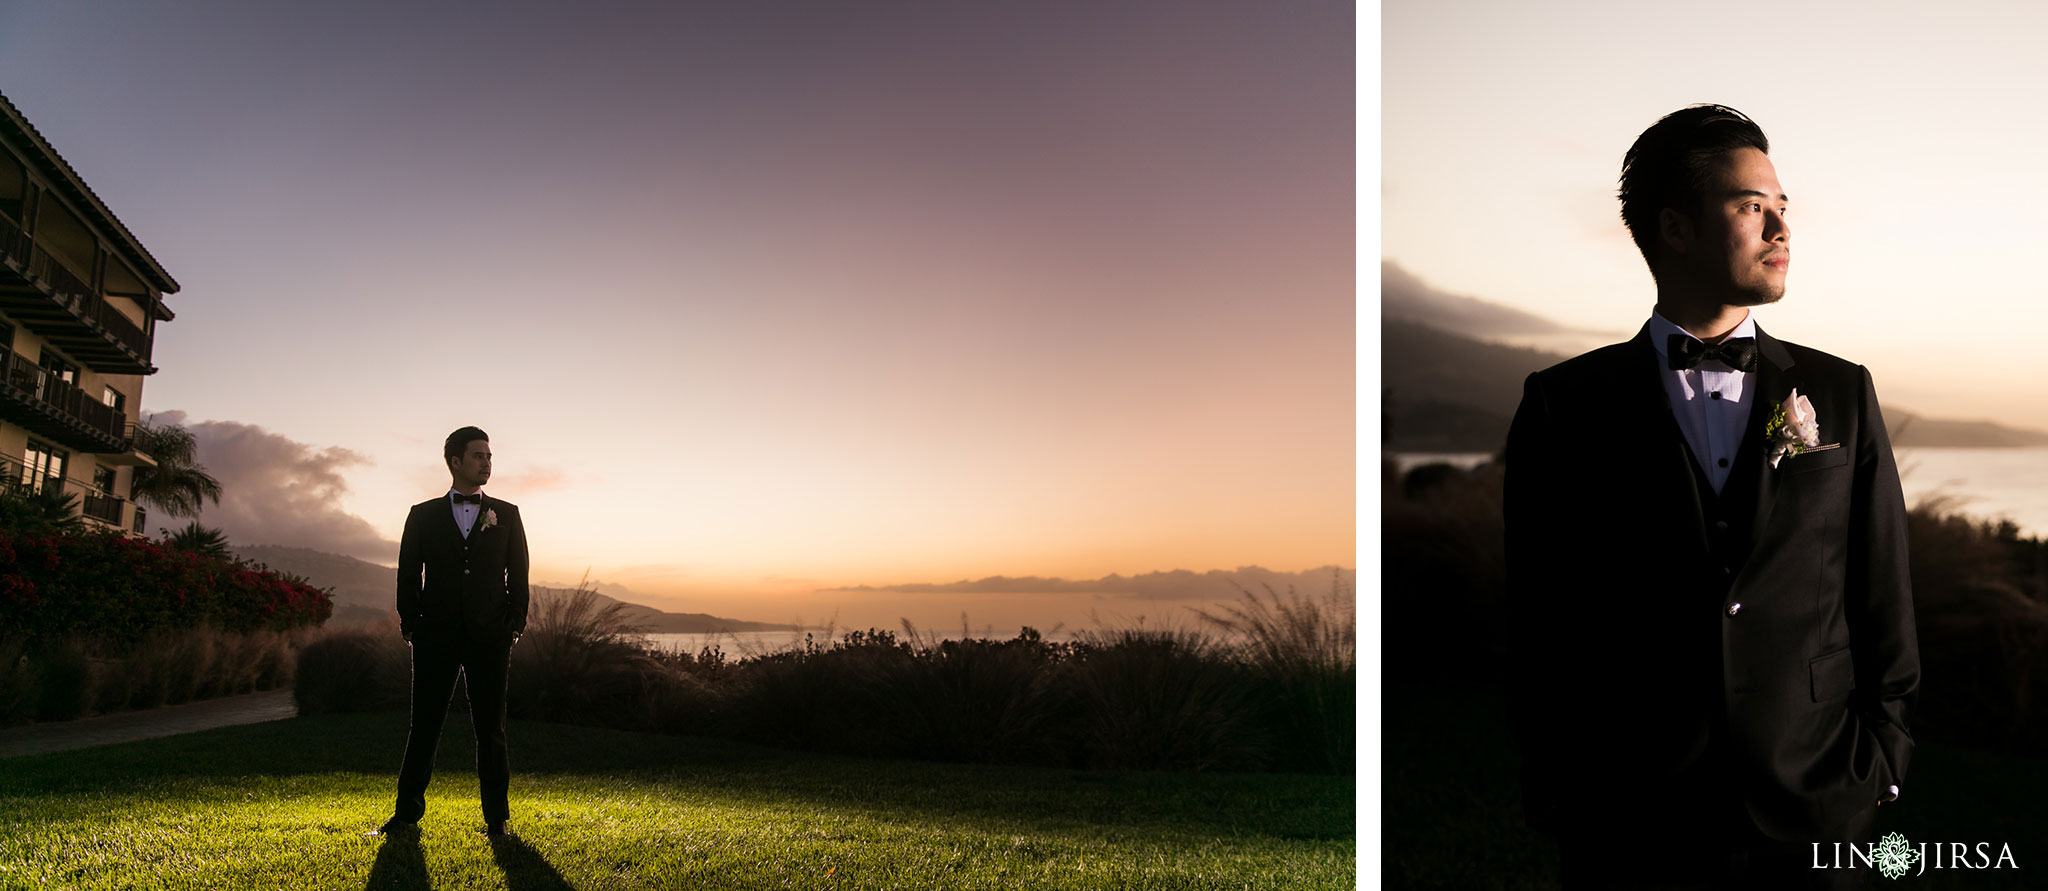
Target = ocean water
(748,643)
(1987,484)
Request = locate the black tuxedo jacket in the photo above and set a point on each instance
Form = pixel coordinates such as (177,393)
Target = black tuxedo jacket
(474,586)
(1671,643)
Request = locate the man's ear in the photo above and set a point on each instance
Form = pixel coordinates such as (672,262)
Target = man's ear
(1675,230)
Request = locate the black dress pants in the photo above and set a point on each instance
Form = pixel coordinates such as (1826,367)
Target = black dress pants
(437,657)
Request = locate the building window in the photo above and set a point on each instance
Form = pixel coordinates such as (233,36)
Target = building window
(103,479)
(58,368)
(115,400)
(42,467)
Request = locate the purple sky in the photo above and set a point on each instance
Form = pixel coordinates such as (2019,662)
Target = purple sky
(757,299)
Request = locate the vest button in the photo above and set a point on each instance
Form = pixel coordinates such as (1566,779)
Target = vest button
(1734,608)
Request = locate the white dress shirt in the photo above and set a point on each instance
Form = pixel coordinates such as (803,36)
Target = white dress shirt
(1711,402)
(465,513)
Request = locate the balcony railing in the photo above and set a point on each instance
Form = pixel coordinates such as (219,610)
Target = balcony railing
(38,384)
(71,289)
(13,240)
(14,477)
(105,508)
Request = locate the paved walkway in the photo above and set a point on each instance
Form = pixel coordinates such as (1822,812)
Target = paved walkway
(169,720)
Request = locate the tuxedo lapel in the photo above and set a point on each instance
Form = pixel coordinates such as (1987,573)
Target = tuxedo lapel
(1671,459)
(448,510)
(1777,377)
(482,507)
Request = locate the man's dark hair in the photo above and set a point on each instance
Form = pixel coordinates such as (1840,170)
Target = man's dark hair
(459,440)
(1672,163)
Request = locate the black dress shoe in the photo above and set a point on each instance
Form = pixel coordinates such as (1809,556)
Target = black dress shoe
(394,825)
(496,829)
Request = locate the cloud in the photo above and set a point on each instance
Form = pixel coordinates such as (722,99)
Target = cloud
(275,491)
(1179,584)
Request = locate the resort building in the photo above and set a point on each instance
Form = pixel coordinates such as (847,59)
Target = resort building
(80,299)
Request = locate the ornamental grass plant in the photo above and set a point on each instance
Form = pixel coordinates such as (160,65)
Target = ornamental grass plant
(78,675)
(1172,699)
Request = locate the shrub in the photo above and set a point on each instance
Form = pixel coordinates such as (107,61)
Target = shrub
(1144,698)
(359,669)
(65,680)
(1166,699)
(19,689)
(961,700)
(1304,653)
(119,589)
(583,663)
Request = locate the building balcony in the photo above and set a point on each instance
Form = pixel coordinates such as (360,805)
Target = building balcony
(92,504)
(104,508)
(32,397)
(59,304)
(133,456)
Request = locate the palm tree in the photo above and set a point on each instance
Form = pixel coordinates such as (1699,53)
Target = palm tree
(200,540)
(29,512)
(178,484)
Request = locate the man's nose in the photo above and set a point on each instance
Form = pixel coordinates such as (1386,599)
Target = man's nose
(1775,227)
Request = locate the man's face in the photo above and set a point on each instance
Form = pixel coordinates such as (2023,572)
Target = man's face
(1741,248)
(473,467)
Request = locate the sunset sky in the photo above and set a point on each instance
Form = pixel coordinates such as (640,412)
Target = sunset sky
(762,299)
(1907,135)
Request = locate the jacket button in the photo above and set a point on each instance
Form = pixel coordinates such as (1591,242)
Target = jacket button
(1734,608)
(1721,525)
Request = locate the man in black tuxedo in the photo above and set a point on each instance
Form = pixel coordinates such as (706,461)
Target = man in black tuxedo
(1714,651)
(462,597)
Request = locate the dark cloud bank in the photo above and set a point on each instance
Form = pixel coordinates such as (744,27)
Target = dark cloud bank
(1180,584)
(276,491)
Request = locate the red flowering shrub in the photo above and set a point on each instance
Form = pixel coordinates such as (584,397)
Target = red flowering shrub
(102,583)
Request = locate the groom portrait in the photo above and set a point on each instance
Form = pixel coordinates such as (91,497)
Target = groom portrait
(1714,656)
(462,598)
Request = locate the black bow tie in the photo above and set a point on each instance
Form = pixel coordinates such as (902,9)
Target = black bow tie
(1684,352)
(478,498)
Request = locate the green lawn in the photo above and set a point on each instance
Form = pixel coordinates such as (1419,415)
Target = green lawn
(285,805)
(1452,814)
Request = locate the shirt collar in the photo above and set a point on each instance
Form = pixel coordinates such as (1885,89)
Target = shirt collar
(1662,328)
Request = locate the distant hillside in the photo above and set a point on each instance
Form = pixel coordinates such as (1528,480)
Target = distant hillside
(659,622)
(1444,392)
(1407,297)
(1909,429)
(364,592)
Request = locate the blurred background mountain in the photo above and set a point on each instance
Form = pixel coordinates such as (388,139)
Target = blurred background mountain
(365,593)
(1452,368)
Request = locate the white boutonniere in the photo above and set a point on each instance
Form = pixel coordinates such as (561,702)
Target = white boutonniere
(490,519)
(1793,428)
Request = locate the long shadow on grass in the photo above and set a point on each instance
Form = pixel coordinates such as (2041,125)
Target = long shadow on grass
(525,868)
(1284,806)
(400,863)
